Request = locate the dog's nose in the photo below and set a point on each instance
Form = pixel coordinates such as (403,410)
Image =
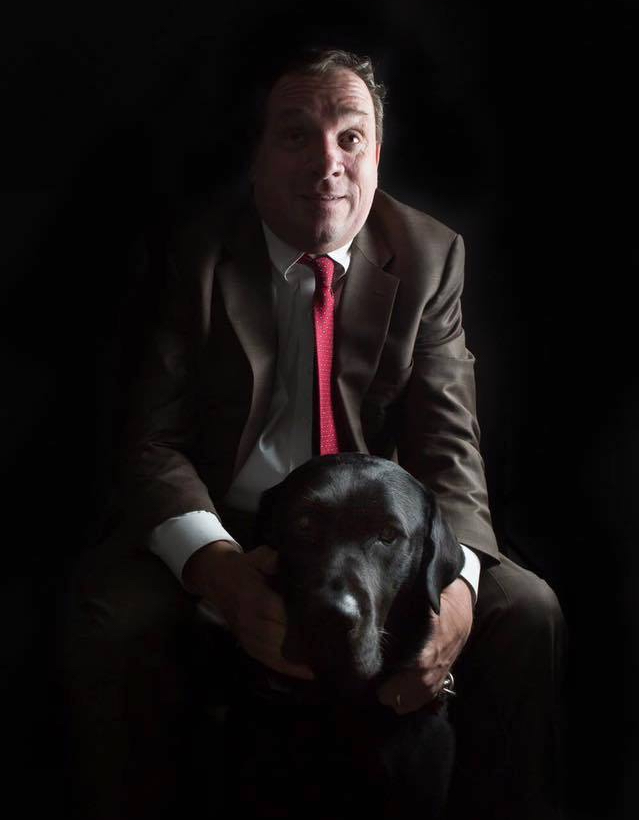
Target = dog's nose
(348,606)
(340,610)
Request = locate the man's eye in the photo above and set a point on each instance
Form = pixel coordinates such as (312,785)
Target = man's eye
(351,139)
(293,137)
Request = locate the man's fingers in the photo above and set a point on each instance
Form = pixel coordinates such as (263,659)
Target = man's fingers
(264,643)
(261,629)
(279,664)
(408,691)
(253,596)
(413,688)
(264,558)
(403,700)
(269,606)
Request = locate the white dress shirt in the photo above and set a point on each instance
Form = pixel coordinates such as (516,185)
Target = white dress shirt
(286,440)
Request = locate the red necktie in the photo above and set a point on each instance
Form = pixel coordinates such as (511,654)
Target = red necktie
(323,307)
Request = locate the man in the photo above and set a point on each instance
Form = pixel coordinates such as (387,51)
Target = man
(235,393)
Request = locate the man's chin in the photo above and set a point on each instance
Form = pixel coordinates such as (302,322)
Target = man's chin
(314,235)
(325,236)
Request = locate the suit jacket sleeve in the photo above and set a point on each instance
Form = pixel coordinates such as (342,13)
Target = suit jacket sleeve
(158,479)
(439,433)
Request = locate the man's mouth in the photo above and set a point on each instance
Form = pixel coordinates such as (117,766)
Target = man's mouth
(322,197)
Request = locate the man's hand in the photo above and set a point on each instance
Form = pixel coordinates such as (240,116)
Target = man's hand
(237,584)
(421,683)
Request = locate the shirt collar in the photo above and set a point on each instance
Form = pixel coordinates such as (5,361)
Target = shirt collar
(284,256)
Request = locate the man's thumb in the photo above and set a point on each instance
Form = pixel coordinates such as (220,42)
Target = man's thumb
(264,558)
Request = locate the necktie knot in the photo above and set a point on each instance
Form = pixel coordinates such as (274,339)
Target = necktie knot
(323,267)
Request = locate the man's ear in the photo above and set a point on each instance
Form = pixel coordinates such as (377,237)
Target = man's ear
(378,149)
(446,555)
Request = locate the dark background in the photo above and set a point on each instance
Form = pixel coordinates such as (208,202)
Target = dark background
(513,127)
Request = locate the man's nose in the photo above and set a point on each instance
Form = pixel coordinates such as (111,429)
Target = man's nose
(326,160)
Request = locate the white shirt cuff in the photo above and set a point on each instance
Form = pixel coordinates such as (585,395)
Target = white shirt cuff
(470,571)
(176,539)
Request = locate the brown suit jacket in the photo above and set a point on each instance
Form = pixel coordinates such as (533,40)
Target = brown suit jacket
(404,378)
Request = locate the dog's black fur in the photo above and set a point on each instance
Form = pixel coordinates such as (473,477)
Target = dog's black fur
(363,554)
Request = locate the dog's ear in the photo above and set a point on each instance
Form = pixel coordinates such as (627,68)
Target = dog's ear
(265,522)
(446,556)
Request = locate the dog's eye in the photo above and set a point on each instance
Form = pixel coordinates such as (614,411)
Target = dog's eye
(303,523)
(388,535)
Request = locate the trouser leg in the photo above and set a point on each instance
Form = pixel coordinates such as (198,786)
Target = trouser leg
(507,713)
(122,616)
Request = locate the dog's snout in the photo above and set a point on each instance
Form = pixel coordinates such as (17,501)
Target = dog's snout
(337,607)
(342,593)
(347,609)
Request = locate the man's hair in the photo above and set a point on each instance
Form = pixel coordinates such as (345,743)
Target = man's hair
(320,61)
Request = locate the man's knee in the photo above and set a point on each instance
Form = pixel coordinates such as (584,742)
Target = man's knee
(519,609)
(534,604)
(119,599)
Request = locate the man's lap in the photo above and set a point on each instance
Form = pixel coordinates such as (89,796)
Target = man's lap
(123,595)
(126,615)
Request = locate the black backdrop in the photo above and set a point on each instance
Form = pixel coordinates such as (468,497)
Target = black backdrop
(512,127)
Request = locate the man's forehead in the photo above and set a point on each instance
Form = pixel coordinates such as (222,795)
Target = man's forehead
(338,92)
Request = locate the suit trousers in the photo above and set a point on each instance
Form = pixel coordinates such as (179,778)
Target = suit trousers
(138,666)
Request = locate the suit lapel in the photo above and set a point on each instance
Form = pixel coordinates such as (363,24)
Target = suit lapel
(362,322)
(244,278)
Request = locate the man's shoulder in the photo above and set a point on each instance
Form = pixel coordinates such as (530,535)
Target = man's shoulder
(398,218)
(414,240)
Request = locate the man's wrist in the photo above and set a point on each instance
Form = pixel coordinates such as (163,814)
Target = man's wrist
(178,538)
(469,587)
(207,565)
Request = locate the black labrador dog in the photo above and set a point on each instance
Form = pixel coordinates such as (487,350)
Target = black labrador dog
(363,554)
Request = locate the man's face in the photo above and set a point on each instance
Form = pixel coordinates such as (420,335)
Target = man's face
(315,170)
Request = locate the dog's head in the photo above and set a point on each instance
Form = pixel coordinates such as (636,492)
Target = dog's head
(364,553)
